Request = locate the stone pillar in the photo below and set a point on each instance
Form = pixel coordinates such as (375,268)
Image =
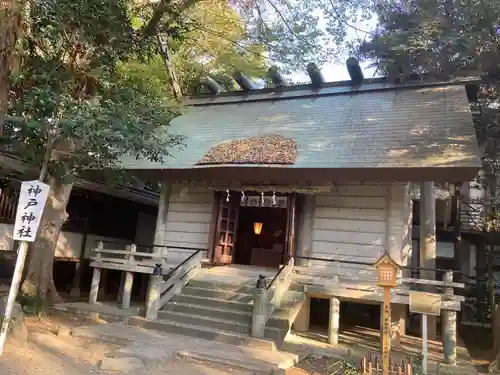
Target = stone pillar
(153,297)
(449,325)
(304,240)
(301,323)
(398,322)
(334,322)
(128,281)
(96,278)
(428,242)
(259,313)
(94,287)
(127,290)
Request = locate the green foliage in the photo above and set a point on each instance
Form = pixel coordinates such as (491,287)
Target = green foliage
(440,37)
(69,98)
(296,32)
(212,41)
(32,304)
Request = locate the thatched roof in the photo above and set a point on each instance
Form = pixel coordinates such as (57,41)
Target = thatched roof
(264,149)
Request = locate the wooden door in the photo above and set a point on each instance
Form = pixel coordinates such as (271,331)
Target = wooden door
(227,227)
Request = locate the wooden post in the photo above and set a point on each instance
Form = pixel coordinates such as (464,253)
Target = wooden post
(96,278)
(77,278)
(304,240)
(386,339)
(428,242)
(449,325)
(333,327)
(129,279)
(75,285)
(425,350)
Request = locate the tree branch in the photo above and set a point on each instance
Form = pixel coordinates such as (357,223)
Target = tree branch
(163,7)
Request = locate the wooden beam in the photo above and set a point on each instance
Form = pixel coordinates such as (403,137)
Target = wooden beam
(354,295)
(213,226)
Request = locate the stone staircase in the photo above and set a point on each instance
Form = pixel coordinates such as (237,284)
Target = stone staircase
(219,307)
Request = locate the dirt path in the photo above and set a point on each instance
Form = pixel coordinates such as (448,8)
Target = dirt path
(45,352)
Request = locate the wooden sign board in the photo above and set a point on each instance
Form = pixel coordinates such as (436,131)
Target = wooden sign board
(425,303)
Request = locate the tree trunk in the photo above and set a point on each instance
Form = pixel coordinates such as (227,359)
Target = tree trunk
(39,280)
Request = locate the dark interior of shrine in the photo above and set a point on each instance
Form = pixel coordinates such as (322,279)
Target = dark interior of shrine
(265,249)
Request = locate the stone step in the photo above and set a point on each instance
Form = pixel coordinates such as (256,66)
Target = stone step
(279,319)
(213,302)
(233,326)
(218,294)
(202,332)
(203,310)
(246,288)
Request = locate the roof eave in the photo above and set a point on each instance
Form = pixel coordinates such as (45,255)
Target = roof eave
(316,175)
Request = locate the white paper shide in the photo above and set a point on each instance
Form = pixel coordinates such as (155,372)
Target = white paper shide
(32,200)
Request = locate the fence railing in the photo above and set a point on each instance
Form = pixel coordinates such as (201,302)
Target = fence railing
(125,260)
(268,297)
(339,270)
(163,287)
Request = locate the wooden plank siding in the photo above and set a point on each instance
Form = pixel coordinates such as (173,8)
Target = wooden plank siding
(356,222)
(188,217)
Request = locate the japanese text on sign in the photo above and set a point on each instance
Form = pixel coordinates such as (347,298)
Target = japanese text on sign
(29,210)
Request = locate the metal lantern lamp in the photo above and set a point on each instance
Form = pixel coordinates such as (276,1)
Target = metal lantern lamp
(257,228)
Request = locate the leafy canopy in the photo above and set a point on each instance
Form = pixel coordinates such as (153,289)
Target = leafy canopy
(68,98)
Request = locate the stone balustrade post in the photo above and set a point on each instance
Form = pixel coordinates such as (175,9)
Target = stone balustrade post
(154,292)
(96,278)
(129,279)
(260,307)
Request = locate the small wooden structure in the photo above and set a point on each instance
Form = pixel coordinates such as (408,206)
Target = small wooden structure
(372,366)
(387,271)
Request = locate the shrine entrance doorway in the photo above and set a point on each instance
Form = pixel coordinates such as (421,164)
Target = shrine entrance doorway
(254,229)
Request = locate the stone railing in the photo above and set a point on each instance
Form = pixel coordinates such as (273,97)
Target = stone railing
(129,260)
(166,279)
(162,287)
(268,297)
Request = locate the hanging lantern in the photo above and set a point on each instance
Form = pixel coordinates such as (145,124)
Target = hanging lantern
(242,197)
(262,198)
(257,228)
(274,198)
(227,195)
